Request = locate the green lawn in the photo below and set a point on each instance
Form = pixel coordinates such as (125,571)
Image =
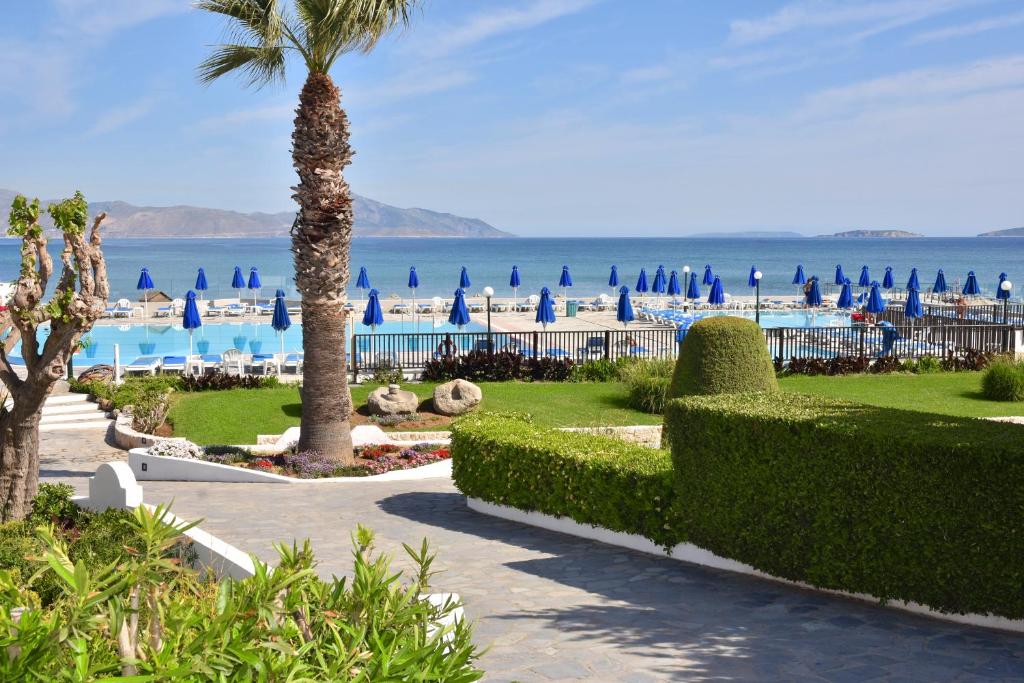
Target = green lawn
(238,415)
(949,393)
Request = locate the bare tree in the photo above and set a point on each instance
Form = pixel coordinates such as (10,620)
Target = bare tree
(78,299)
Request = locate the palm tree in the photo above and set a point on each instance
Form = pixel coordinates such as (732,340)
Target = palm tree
(262,35)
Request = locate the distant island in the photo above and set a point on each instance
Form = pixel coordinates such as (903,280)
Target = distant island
(748,234)
(874,233)
(1009,232)
(373,219)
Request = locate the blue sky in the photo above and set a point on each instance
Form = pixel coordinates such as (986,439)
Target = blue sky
(544,117)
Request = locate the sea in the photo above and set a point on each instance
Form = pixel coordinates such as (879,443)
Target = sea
(173,263)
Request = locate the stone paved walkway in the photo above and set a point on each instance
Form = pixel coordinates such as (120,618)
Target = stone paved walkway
(553,607)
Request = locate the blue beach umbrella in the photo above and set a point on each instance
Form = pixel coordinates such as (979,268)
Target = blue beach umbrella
(813,297)
(798,277)
(875,303)
(514,283)
(913,282)
(673,284)
(912,309)
(693,289)
(464,282)
(565,281)
(865,277)
(624,311)
(613,278)
(373,315)
(971,287)
(845,296)
(658,286)
(254,283)
(840,277)
(414,283)
(238,282)
(459,315)
(201,284)
(190,319)
(1000,292)
(751,280)
(145,284)
(281,320)
(940,283)
(363,281)
(717,294)
(641,282)
(709,277)
(887,281)
(545,309)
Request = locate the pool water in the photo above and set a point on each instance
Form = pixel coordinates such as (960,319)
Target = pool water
(796,318)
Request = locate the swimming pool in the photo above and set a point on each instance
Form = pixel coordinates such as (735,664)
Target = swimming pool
(172,340)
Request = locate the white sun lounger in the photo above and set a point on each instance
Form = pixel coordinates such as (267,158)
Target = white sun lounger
(144,364)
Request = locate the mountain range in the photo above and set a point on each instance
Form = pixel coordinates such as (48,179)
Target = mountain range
(1009,232)
(373,219)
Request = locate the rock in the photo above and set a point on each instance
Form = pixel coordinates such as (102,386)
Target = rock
(456,397)
(98,373)
(391,400)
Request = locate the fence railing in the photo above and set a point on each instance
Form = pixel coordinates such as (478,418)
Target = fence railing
(904,341)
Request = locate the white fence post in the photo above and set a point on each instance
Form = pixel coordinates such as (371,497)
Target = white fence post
(117,363)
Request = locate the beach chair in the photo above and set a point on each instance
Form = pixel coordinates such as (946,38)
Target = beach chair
(265,309)
(173,364)
(556,352)
(263,362)
(122,309)
(422,308)
(295,310)
(163,312)
(234,310)
(293,361)
(213,310)
(530,304)
(148,365)
(480,345)
(210,360)
(232,362)
(594,350)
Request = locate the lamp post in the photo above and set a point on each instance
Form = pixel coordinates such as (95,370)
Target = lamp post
(488,293)
(757,296)
(686,282)
(1006,286)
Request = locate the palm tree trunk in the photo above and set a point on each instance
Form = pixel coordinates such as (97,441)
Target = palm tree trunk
(321,239)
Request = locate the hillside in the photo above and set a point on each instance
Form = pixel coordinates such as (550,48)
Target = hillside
(373,219)
(1009,232)
(874,233)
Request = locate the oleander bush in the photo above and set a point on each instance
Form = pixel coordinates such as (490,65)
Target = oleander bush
(597,480)
(1003,381)
(897,504)
(723,355)
(147,616)
(501,366)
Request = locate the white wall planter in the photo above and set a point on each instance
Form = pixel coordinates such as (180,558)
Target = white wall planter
(687,552)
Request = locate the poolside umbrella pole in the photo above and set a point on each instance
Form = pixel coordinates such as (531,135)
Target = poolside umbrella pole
(693,289)
(545,309)
(281,320)
(940,286)
(912,309)
(363,281)
(799,279)
(145,284)
(716,296)
(641,283)
(373,316)
(624,310)
(238,283)
(613,279)
(191,320)
(459,315)
(813,297)
(971,287)
(674,289)
(514,283)
(254,283)
(414,283)
(201,284)
(564,282)
(659,283)
(865,278)
(845,299)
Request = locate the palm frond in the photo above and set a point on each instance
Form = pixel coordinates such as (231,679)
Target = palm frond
(333,27)
(259,65)
(257,34)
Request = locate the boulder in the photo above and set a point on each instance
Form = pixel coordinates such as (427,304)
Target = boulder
(456,397)
(391,400)
(98,373)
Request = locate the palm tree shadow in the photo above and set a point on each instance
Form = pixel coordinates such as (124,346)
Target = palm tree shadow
(292,409)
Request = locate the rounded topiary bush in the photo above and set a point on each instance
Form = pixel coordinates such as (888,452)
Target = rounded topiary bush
(1003,382)
(723,355)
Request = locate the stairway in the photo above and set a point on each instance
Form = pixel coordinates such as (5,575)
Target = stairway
(71,412)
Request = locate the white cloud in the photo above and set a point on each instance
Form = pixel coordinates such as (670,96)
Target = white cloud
(99,18)
(823,14)
(119,117)
(973,28)
(498,21)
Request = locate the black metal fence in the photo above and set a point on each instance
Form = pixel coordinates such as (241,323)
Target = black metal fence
(903,341)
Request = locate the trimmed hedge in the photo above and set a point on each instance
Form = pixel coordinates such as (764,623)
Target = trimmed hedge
(897,504)
(722,355)
(591,479)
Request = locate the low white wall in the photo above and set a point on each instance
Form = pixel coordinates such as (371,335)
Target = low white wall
(642,435)
(687,552)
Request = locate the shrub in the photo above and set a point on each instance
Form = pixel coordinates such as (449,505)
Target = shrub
(226,455)
(393,420)
(386,372)
(723,355)
(311,465)
(504,366)
(927,365)
(647,383)
(1003,381)
(592,479)
(968,360)
(177,448)
(149,410)
(896,504)
(603,370)
(221,381)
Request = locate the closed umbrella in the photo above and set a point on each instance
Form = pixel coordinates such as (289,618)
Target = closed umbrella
(191,320)
(459,315)
(865,277)
(374,314)
(887,281)
(940,286)
(813,296)
(145,284)
(281,321)
(1000,292)
(798,277)
(875,302)
(624,311)
(464,282)
(254,283)
(717,294)
(363,281)
(693,289)
(751,280)
(673,284)
(514,283)
(845,296)
(414,283)
(912,281)
(641,282)
(660,282)
(565,281)
(709,277)
(971,287)
(545,309)
(238,283)
(912,309)
(840,277)
(201,284)
(613,278)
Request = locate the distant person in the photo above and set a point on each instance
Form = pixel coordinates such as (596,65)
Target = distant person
(961,307)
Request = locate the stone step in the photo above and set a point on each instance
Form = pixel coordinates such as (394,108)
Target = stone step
(69,408)
(62,399)
(83,425)
(73,417)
